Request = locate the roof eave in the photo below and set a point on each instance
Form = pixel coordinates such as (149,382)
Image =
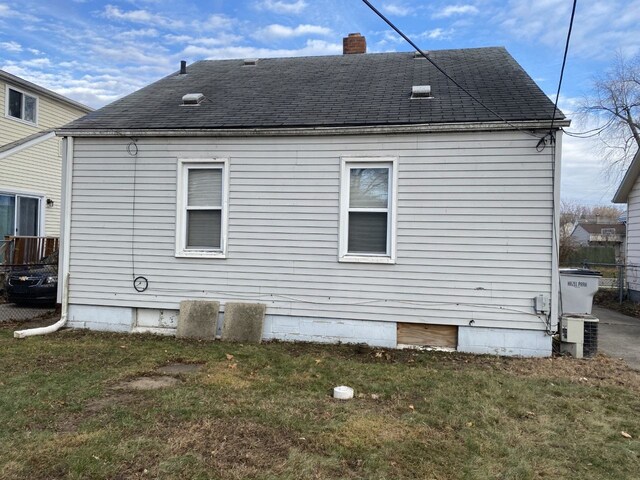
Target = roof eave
(629,180)
(528,125)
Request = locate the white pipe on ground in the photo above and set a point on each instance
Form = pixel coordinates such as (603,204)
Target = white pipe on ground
(31,332)
(66,239)
(42,330)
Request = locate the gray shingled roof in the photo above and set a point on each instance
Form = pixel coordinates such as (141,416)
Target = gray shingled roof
(597,227)
(342,90)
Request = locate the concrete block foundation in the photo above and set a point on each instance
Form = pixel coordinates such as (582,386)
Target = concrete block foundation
(106,319)
(504,341)
(482,340)
(327,330)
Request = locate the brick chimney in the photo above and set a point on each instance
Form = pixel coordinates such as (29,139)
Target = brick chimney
(354,43)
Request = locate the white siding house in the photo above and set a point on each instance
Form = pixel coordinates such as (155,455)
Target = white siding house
(629,193)
(347,225)
(30,156)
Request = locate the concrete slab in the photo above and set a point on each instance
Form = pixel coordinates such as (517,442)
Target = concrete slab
(243,322)
(619,335)
(198,319)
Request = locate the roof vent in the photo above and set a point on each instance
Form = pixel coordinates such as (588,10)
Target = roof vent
(417,55)
(192,99)
(421,91)
(250,61)
(183,67)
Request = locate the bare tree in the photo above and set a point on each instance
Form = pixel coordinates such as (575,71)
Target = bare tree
(615,106)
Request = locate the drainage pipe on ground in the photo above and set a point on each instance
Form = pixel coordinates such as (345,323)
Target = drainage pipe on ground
(51,328)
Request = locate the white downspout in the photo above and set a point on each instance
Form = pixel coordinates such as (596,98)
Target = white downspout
(63,264)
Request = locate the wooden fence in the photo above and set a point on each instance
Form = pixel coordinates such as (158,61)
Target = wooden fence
(16,251)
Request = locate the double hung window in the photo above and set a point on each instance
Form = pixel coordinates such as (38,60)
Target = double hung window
(367,226)
(21,106)
(202,208)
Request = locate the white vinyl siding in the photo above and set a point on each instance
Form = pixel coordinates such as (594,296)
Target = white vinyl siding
(633,237)
(474,227)
(580,236)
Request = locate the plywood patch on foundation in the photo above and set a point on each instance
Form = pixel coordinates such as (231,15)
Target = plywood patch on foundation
(428,335)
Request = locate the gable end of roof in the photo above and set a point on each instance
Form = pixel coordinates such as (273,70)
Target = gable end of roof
(629,180)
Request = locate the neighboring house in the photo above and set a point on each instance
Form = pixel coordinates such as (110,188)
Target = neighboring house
(601,235)
(30,156)
(356,210)
(629,193)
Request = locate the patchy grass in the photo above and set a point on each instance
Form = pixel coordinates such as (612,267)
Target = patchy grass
(265,412)
(609,298)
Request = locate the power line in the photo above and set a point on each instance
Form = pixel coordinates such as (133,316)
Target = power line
(471,95)
(564,62)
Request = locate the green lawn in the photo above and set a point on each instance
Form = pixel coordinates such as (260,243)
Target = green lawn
(265,412)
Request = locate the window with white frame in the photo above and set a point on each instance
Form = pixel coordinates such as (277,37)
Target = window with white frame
(368,204)
(202,208)
(21,106)
(20,215)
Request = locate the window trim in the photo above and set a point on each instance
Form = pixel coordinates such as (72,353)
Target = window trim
(346,164)
(23,92)
(181,208)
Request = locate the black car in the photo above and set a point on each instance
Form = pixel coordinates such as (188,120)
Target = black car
(34,283)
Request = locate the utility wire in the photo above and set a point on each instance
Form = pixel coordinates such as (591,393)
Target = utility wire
(564,62)
(471,95)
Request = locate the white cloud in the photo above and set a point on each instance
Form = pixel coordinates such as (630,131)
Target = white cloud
(281,31)
(143,32)
(311,47)
(216,22)
(437,34)
(37,63)
(222,39)
(452,10)
(6,11)
(603,28)
(139,16)
(583,174)
(279,6)
(11,46)
(396,9)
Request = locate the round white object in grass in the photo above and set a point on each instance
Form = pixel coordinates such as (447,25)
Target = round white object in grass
(343,392)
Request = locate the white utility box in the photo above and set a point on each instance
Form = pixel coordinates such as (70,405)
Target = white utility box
(577,288)
(572,329)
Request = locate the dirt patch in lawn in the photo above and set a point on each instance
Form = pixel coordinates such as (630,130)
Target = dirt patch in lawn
(241,448)
(152,382)
(179,368)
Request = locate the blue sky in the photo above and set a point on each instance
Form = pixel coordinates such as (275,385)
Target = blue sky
(95,51)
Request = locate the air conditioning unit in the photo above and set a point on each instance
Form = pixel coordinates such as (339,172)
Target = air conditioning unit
(572,329)
(579,335)
(590,348)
